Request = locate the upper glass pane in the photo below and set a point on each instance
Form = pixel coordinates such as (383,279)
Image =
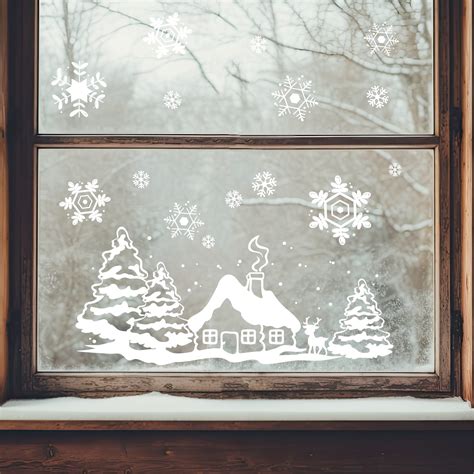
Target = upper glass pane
(293,67)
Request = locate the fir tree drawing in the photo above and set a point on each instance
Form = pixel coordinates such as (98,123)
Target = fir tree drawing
(118,296)
(162,325)
(362,335)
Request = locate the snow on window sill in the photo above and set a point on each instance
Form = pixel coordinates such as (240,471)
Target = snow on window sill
(161,407)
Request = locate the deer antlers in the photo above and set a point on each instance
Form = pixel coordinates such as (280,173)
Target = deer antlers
(306,324)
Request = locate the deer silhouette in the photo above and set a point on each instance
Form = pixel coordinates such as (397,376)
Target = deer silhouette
(314,342)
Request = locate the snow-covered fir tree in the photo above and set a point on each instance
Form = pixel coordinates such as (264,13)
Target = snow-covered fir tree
(162,325)
(362,335)
(118,296)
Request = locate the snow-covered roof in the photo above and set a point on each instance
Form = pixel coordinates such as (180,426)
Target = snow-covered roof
(258,311)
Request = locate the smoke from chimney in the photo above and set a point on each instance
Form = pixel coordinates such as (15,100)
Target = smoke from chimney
(261,251)
(255,278)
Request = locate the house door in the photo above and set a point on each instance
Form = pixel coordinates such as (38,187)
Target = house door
(230,341)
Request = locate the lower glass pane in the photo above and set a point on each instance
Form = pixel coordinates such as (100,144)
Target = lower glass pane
(236,260)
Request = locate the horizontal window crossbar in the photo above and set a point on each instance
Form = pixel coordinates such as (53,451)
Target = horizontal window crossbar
(235,141)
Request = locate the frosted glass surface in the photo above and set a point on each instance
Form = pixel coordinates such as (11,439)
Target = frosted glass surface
(231,67)
(236,260)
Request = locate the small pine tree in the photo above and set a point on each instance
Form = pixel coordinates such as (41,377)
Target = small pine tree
(362,335)
(118,296)
(162,326)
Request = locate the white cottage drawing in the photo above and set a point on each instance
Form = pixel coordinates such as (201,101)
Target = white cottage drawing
(260,322)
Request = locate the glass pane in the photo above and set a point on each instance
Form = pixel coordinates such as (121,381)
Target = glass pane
(236,260)
(293,67)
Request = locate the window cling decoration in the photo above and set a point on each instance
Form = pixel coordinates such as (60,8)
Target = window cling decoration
(143,319)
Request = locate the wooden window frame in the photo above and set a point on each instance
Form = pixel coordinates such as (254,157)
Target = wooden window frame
(23,142)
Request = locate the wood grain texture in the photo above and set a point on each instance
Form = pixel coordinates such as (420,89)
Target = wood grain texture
(237,142)
(467,353)
(22,171)
(4,245)
(237,385)
(134,425)
(445,27)
(245,451)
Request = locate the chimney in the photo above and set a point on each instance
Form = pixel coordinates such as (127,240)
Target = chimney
(255,283)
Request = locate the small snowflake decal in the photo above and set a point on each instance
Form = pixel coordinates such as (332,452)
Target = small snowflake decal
(264,184)
(233,199)
(295,97)
(52,280)
(208,241)
(395,169)
(141,179)
(341,209)
(258,44)
(172,100)
(183,220)
(381,39)
(377,97)
(85,202)
(78,91)
(168,36)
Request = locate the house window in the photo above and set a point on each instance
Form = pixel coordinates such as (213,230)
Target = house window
(209,336)
(248,336)
(276,336)
(256,184)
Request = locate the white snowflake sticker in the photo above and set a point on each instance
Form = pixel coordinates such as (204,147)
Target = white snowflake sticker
(341,210)
(141,179)
(172,100)
(233,199)
(183,220)
(295,97)
(381,39)
(377,97)
(168,36)
(85,202)
(264,184)
(208,241)
(258,44)
(395,169)
(78,90)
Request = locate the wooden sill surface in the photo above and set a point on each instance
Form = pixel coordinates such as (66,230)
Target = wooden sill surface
(102,425)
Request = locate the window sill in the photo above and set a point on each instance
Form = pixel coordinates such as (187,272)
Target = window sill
(159,411)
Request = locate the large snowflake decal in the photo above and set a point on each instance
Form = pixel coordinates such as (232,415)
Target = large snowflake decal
(381,39)
(341,209)
(85,202)
(79,90)
(377,97)
(183,220)
(168,36)
(295,97)
(264,184)
(233,199)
